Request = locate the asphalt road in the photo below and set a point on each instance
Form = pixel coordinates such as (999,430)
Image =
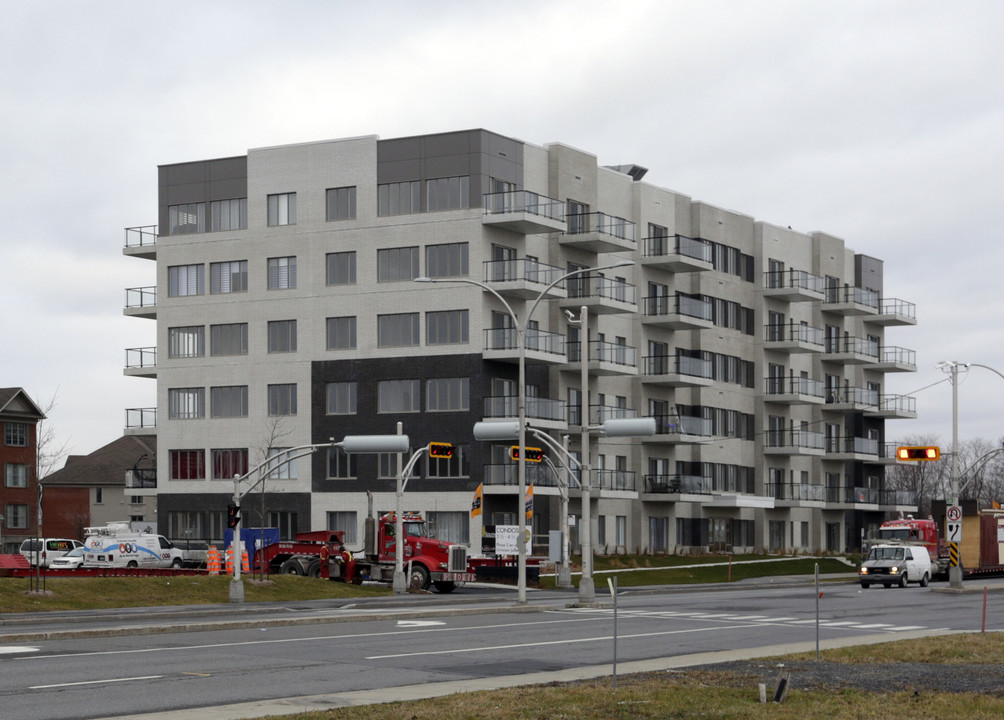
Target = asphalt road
(253,660)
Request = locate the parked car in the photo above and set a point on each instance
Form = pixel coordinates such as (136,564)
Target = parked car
(42,551)
(70,561)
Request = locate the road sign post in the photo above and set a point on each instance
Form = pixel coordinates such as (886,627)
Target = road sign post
(953,534)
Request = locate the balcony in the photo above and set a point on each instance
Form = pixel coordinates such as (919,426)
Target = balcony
(794,391)
(524,278)
(507,474)
(895,312)
(542,347)
(141,362)
(141,479)
(679,312)
(614,481)
(141,242)
(544,412)
(851,351)
(141,302)
(676,253)
(677,485)
(680,430)
(676,371)
(794,338)
(602,295)
(599,414)
(896,359)
(852,495)
(793,286)
(599,233)
(851,399)
(794,443)
(905,500)
(140,421)
(796,494)
(894,407)
(605,358)
(852,449)
(524,212)
(848,300)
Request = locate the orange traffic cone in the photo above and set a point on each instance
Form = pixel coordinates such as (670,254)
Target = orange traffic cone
(213,560)
(245,566)
(230,560)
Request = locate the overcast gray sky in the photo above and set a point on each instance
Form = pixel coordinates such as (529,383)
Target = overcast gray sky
(879,122)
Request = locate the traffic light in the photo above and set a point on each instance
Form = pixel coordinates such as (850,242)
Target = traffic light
(233,516)
(532,454)
(440,450)
(918,453)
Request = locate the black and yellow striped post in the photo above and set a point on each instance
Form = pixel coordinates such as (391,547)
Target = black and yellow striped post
(953,554)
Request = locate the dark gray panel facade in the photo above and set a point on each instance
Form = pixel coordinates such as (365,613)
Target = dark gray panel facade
(203,181)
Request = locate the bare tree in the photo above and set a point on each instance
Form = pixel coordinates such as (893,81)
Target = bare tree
(927,479)
(49,453)
(275,437)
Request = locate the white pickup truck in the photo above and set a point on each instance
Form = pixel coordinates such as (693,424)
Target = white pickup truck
(895,565)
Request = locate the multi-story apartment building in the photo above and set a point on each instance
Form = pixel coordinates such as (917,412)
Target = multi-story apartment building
(19,418)
(288,313)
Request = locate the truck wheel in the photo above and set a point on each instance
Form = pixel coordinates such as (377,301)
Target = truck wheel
(419,578)
(887,585)
(132,564)
(924,580)
(176,563)
(314,569)
(445,586)
(903,580)
(290,567)
(865,585)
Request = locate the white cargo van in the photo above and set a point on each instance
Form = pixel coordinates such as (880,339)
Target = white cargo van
(42,551)
(891,564)
(118,545)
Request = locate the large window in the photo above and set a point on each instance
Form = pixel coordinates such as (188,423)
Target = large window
(341,465)
(400,330)
(230,462)
(188,464)
(446,327)
(186,219)
(229,214)
(228,401)
(450,193)
(282,209)
(230,339)
(186,403)
(15,516)
(281,273)
(282,468)
(282,336)
(228,277)
(341,333)
(398,396)
(447,394)
(184,342)
(282,399)
(341,268)
(341,203)
(186,280)
(15,434)
(344,522)
(397,264)
(450,260)
(15,475)
(399,198)
(341,398)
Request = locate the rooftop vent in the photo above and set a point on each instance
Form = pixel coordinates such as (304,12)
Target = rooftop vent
(637,172)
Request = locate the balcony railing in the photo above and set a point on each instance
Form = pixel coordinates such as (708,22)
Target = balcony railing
(512,201)
(796,491)
(699,308)
(898,404)
(897,497)
(853,295)
(677,365)
(141,297)
(537,408)
(897,355)
(852,446)
(795,386)
(609,352)
(523,269)
(141,358)
(682,425)
(603,224)
(143,236)
(852,396)
(674,484)
(599,414)
(794,279)
(853,346)
(802,439)
(614,480)
(795,332)
(536,340)
(677,245)
(141,418)
(590,286)
(508,474)
(893,306)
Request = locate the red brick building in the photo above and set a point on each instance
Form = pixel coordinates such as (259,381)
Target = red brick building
(19,418)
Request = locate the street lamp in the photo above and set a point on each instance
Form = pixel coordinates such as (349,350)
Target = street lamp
(521,395)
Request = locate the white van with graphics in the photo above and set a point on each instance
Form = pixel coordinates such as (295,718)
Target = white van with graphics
(116,545)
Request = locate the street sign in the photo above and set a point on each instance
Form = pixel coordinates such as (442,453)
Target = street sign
(953,532)
(954,514)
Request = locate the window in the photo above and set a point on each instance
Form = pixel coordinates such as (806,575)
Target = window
(399,198)
(282,468)
(186,219)
(15,434)
(282,336)
(396,264)
(449,526)
(282,399)
(186,403)
(15,516)
(396,396)
(15,475)
(228,463)
(281,273)
(186,280)
(447,260)
(341,268)
(447,394)
(282,209)
(453,467)
(345,523)
(285,521)
(228,277)
(184,342)
(446,327)
(341,203)
(341,398)
(341,465)
(196,524)
(450,193)
(341,333)
(397,330)
(228,401)
(387,465)
(188,464)
(228,214)
(231,339)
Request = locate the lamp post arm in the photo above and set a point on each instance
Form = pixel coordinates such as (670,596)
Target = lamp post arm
(987,367)
(553,444)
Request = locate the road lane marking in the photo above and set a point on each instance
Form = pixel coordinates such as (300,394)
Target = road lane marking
(874,625)
(94,682)
(11,649)
(419,623)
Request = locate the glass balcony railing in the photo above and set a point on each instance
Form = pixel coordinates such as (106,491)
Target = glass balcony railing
(512,201)
(663,246)
(603,224)
(522,269)
(795,332)
(795,386)
(141,418)
(141,297)
(614,480)
(794,280)
(613,353)
(677,365)
(537,408)
(144,236)
(141,358)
